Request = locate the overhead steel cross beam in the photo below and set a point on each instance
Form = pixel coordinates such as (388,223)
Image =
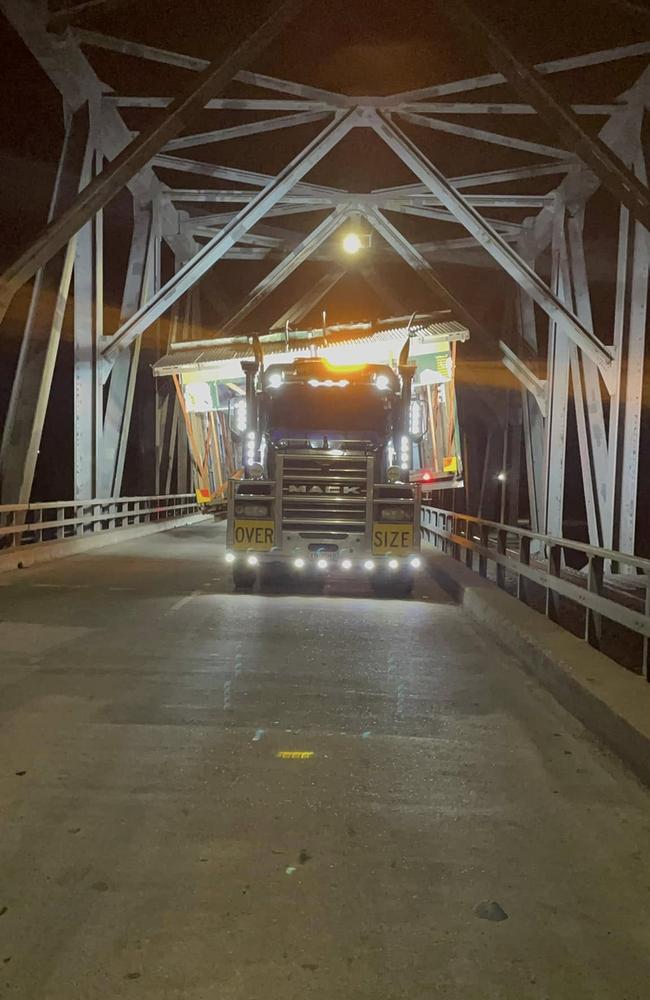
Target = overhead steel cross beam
(117,175)
(249,216)
(287,266)
(526,80)
(493,242)
(308,300)
(62,17)
(411,256)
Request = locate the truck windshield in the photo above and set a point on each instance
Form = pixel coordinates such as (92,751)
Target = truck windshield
(358,410)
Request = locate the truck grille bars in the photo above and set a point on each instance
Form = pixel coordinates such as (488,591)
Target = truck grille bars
(324,494)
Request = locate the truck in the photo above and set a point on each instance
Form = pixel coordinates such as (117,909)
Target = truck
(325,484)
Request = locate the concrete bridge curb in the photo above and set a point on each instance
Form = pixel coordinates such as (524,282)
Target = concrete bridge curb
(25,556)
(611,702)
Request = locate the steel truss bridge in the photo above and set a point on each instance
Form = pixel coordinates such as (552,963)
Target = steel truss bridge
(573,374)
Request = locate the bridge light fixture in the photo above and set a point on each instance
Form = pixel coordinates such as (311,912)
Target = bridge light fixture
(252,560)
(393,564)
(352,243)
(230,557)
(347,564)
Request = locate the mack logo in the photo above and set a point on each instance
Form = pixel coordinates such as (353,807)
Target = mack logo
(333,490)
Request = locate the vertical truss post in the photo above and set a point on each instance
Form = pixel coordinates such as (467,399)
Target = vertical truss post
(30,394)
(532,418)
(514,469)
(633,379)
(568,287)
(87,331)
(140,276)
(558,398)
(587,387)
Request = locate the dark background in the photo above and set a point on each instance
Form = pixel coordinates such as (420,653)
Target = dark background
(356,47)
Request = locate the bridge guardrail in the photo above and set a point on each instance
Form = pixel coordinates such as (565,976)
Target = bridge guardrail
(540,559)
(34,523)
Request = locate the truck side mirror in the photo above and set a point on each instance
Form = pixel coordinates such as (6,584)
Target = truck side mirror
(237,415)
(417,420)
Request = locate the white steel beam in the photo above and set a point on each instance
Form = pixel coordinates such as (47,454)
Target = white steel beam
(535,386)
(634,370)
(251,214)
(309,300)
(503,176)
(471,108)
(612,172)
(112,44)
(236,174)
(117,174)
(533,421)
(300,196)
(502,252)
(585,376)
(23,427)
(620,133)
(558,373)
(467,132)
(221,103)
(287,266)
(88,324)
(98,40)
(74,78)
(545,68)
(137,287)
(405,249)
(239,131)
(506,228)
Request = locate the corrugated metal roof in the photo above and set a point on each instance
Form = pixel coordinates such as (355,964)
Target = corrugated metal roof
(183,359)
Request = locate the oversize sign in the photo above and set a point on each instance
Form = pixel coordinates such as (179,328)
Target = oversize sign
(255,535)
(392,539)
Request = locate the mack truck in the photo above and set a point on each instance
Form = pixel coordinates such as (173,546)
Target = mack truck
(324,489)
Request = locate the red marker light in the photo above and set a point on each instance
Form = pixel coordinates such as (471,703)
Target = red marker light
(426,476)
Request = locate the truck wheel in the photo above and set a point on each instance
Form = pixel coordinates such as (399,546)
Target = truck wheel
(275,576)
(396,588)
(243,578)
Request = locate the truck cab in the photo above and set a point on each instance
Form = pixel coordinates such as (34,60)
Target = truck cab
(325,491)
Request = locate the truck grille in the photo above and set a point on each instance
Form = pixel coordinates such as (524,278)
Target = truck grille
(324,495)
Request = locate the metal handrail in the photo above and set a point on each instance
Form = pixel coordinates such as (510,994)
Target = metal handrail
(510,548)
(34,523)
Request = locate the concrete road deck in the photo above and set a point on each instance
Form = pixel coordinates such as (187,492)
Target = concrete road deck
(154,846)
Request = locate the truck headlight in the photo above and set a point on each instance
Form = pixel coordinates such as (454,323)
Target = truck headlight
(394,514)
(255,471)
(394,474)
(252,509)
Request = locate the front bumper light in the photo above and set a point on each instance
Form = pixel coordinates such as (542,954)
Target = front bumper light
(256,471)
(252,509)
(395,514)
